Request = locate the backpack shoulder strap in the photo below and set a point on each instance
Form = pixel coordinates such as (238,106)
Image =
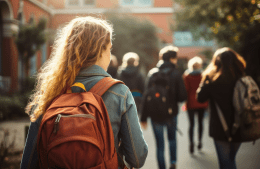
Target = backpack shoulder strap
(103,85)
(223,122)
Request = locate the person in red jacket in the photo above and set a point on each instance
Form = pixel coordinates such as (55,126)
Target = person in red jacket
(192,78)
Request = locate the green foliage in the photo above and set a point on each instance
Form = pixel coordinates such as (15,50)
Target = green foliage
(134,35)
(29,40)
(225,20)
(5,145)
(12,106)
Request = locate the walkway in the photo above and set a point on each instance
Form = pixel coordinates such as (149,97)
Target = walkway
(248,156)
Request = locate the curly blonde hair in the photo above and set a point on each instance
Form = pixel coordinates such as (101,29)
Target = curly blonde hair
(78,45)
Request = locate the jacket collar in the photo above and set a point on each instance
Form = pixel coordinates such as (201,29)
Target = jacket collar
(93,70)
(165,64)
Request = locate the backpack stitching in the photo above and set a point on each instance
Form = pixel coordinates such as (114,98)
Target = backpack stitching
(125,97)
(116,93)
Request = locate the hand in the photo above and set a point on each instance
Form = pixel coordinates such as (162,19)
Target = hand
(144,125)
(184,106)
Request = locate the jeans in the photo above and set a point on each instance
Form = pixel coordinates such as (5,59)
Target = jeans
(158,129)
(226,152)
(191,114)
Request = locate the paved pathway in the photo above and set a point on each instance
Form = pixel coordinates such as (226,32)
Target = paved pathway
(17,131)
(248,156)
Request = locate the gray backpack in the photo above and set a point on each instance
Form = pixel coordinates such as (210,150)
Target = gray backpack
(246,102)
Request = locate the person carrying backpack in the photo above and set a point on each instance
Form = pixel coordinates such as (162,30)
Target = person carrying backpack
(164,89)
(130,74)
(217,87)
(113,66)
(80,116)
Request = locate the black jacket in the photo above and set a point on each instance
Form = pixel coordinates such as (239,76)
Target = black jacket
(219,91)
(132,78)
(177,87)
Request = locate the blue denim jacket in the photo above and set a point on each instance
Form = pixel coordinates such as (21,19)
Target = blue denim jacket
(123,117)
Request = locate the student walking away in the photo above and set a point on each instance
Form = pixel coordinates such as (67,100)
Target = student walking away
(192,78)
(113,66)
(130,74)
(217,86)
(80,116)
(164,90)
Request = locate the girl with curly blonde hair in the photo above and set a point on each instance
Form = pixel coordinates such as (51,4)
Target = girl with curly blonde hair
(81,53)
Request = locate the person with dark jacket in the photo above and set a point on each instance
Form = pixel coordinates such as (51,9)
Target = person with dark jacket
(192,78)
(113,66)
(217,86)
(168,61)
(130,74)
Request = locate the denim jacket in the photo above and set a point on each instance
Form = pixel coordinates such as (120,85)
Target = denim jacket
(123,117)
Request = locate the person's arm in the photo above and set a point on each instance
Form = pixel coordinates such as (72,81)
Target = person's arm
(140,83)
(186,82)
(180,88)
(203,91)
(144,114)
(30,155)
(133,145)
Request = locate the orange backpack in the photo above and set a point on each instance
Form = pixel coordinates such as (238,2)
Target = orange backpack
(76,133)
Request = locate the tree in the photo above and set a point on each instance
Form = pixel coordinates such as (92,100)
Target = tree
(29,40)
(233,23)
(225,20)
(134,35)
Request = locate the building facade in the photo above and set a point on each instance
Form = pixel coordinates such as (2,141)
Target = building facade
(59,12)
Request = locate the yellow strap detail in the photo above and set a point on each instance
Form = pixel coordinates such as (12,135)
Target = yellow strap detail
(78,84)
(69,91)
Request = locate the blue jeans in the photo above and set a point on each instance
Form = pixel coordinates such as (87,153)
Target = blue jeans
(158,129)
(226,152)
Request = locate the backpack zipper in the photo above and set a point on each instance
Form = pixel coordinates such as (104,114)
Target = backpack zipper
(57,120)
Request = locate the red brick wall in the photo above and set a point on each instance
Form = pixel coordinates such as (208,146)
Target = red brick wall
(10,61)
(57,4)
(189,52)
(162,23)
(163,3)
(159,20)
(15,6)
(62,19)
(30,8)
(39,60)
(106,3)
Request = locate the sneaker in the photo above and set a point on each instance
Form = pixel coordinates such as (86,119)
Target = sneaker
(173,166)
(200,146)
(192,148)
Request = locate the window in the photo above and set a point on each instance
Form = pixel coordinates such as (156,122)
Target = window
(141,3)
(89,2)
(185,39)
(73,2)
(80,2)
(33,64)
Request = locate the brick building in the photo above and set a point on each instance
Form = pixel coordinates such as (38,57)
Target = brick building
(59,12)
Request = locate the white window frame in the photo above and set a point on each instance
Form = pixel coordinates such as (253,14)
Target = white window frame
(81,4)
(136,4)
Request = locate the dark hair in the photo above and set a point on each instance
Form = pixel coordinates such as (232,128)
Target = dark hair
(225,61)
(168,52)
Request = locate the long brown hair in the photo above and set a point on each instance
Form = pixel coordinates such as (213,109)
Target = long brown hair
(225,61)
(79,44)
